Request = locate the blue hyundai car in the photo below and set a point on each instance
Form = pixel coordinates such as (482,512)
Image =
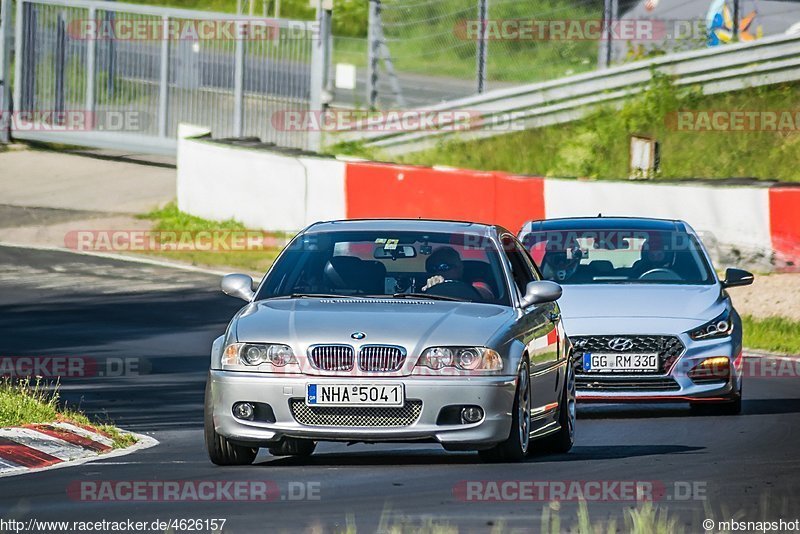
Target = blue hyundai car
(649,318)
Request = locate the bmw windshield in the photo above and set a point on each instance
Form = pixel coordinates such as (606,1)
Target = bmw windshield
(575,256)
(390,264)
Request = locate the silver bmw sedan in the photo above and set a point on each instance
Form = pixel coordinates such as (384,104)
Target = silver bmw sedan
(648,316)
(393,331)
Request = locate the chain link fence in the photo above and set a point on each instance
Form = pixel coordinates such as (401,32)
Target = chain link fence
(123,75)
(420,53)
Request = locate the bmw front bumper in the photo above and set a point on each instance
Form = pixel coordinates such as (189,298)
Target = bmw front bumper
(495,395)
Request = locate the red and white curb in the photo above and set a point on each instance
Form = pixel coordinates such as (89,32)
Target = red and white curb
(58,444)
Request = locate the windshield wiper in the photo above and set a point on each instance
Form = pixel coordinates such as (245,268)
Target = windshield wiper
(424,296)
(311,295)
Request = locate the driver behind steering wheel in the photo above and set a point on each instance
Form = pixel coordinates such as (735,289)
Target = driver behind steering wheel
(654,255)
(447,270)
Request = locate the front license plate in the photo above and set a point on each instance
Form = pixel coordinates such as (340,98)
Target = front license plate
(599,362)
(355,395)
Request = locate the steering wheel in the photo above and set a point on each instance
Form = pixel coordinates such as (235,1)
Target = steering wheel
(660,274)
(456,289)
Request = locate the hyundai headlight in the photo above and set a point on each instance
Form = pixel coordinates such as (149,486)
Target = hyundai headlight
(722,326)
(479,359)
(264,357)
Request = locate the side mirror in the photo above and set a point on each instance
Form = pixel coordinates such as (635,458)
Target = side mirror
(540,292)
(737,277)
(238,285)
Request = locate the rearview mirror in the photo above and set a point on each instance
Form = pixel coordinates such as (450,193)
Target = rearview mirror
(539,292)
(400,251)
(238,285)
(737,277)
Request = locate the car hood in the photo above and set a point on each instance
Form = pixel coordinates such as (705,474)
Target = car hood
(413,324)
(631,308)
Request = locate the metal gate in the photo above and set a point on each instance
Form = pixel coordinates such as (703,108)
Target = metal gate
(113,75)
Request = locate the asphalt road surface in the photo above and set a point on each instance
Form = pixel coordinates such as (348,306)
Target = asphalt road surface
(156,325)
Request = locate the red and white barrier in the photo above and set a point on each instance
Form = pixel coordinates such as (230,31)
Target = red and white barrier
(45,445)
(755,224)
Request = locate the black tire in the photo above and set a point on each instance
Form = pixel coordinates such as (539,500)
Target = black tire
(220,450)
(515,447)
(561,442)
(730,407)
(294,447)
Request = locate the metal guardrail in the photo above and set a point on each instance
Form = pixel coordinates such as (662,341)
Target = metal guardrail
(725,68)
(148,83)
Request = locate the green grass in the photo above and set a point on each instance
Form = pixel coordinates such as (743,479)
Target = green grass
(775,334)
(171,219)
(26,402)
(597,146)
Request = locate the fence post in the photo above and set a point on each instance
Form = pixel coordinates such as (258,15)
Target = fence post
(25,57)
(18,55)
(5,71)
(91,65)
(319,42)
(110,58)
(483,13)
(604,56)
(238,87)
(163,87)
(326,31)
(60,64)
(372,54)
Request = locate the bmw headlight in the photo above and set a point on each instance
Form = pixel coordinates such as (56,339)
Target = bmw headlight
(722,326)
(265,357)
(479,359)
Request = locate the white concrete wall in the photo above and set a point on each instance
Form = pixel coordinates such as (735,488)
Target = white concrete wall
(271,191)
(737,216)
(261,189)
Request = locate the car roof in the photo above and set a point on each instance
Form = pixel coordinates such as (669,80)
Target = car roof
(404,225)
(605,223)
